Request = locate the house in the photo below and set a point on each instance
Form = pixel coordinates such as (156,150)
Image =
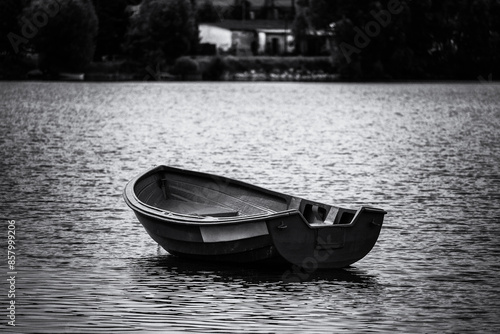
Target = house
(249,37)
(214,35)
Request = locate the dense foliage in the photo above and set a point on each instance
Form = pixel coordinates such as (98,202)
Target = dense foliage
(208,12)
(370,39)
(62,32)
(113,19)
(410,39)
(162,30)
(10,10)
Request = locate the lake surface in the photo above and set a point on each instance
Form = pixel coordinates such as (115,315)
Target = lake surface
(429,154)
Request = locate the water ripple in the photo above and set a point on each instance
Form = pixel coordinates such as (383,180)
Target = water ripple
(427,153)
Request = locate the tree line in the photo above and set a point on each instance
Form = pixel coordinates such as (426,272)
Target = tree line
(69,34)
(383,39)
(401,39)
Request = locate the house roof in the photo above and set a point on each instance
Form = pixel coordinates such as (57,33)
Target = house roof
(252,25)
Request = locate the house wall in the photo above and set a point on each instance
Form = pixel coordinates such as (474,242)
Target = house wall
(278,43)
(221,37)
(313,45)
(247,42)
(261,43)
(242,42)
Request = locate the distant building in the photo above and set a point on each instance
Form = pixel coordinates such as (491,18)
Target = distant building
(250,37)
(316,43)
(219,37)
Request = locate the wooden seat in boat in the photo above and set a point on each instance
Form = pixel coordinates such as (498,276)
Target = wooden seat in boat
(197,209)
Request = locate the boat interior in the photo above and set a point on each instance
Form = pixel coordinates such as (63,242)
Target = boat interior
(203,195)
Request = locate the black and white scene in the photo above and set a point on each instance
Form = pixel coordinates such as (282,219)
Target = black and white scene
(249,166)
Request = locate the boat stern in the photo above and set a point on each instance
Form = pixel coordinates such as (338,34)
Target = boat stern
(326,245)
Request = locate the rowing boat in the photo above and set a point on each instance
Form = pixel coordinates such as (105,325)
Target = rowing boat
(215,218)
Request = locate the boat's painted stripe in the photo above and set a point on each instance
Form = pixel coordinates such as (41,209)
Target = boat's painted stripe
(221,233)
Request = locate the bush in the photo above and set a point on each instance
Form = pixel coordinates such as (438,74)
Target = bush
(278,64)
(184,66)
(215,69)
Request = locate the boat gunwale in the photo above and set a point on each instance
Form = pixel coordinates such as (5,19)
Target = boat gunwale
(165,215)
(172,217)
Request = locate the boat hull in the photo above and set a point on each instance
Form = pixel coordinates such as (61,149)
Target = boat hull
(334,246)
(252,244)
(284,240)
(305,234)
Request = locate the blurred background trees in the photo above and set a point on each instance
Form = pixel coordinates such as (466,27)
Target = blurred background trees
(10,10)
(113,19)
(426,39)
(161,31)
(208,12)
(10,45)
(63,32)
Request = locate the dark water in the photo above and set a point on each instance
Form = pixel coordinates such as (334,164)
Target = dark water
(429,154)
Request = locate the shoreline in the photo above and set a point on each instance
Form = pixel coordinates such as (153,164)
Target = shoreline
(217,68)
